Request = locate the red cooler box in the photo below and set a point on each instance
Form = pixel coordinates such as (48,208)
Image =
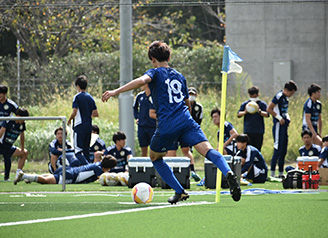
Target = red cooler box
(303,162)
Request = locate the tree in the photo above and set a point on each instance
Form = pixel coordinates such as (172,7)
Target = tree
(180,25)
(47,28)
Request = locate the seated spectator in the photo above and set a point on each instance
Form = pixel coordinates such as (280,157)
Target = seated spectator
(229,133)
(97,145)
(323,157)
(56,149)
(308,149)
(73,174)
(254,168)
(121,152)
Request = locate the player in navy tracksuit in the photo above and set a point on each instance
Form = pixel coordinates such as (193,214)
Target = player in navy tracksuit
(83,174)
(98,148)
(278,108)
(56,150)
(254,123)
(308,149)
(9,132)
(171,101)
(254,168)
(84,108)
(229,133)
(7,106)
(323,157)
(121,152)
(312,113)
(146,125)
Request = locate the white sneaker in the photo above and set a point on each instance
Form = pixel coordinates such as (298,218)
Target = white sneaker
(18,177)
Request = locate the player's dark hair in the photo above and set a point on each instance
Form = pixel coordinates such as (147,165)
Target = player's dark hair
(253,90)
(306,132)
(3,89)
(313,88)
(108,162)
(96,129)
(22,112)
(58,129)
(243,138)
(215,110)
(82,81)
(325,138)
(291,86)
(159,50)
(119,136)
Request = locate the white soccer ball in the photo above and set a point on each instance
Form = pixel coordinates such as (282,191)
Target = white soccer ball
(142,193)
(112,179)
(123,178)
(108,179)
(252,107)
(103,179)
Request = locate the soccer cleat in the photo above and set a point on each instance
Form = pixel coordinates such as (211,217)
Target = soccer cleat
(18,177)
(195,176)
(178,197)
(27,181)
(202,182)
(234,187)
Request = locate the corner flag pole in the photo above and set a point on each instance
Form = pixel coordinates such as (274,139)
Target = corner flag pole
(221,136)
(228,66)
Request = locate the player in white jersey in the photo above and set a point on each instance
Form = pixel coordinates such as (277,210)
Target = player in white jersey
(171,101)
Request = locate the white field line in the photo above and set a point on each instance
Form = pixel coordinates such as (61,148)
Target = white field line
(100,214)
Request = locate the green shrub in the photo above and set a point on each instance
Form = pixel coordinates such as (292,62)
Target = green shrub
(39,86)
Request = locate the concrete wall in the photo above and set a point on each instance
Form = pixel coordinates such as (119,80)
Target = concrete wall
(269,36)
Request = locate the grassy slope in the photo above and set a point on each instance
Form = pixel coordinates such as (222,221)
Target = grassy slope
(40,133)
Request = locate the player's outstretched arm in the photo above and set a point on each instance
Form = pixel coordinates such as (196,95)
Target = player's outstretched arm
(136,83)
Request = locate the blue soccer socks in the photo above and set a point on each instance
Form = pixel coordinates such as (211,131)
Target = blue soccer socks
(167,175)
(218,160)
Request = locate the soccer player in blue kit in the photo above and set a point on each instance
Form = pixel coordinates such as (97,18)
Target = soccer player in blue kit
(308,149)
(146,124)
(9,132)
(56,149)
(254,123)
(170,99)
(323,157)
(312,113)
(99,146)
(84,108)
(83,174)
(278,108)
(229,133)
(121,152)
(7,106)
(254,168)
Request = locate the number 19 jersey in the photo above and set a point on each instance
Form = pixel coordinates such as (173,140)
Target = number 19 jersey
(169,90)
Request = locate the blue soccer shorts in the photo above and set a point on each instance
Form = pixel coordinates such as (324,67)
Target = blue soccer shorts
(7,152)
(191,135)
(145,134)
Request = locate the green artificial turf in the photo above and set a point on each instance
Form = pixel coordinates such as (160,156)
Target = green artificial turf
(269,215)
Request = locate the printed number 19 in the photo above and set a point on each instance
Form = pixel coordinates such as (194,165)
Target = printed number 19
(174,91)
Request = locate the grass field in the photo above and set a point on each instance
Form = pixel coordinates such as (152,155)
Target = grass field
(90,210)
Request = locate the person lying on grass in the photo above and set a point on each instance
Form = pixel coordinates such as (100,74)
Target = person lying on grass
(83,174)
